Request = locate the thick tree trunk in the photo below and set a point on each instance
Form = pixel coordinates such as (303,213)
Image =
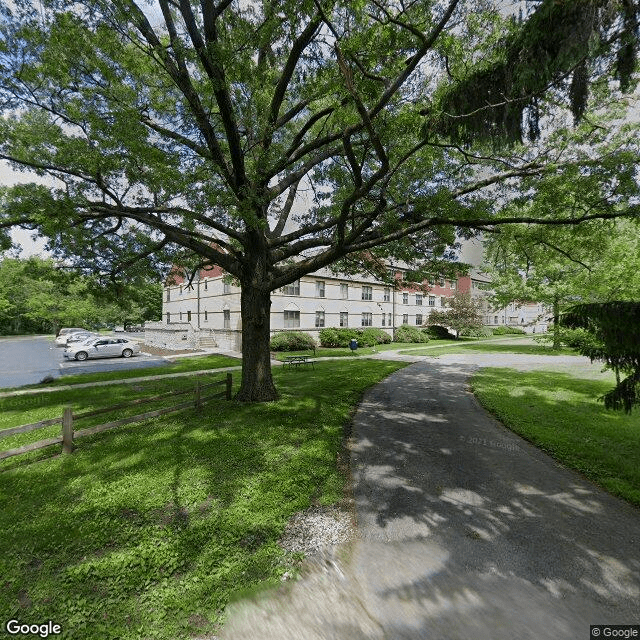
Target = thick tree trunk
(255,306)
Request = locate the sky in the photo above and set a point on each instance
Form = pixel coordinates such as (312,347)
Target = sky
(20,237)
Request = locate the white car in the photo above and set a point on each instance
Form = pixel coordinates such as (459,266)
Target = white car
(102,348)
(81,336)
(66,334)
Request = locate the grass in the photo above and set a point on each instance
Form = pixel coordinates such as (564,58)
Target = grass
(148,530)
(191,363)
(487,347)
(561,414)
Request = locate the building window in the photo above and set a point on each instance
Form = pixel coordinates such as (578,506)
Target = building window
(383,319)
(419,299)
(292,318)
(443,302)
(344,319)
(168,317)
(292,289)
(419,319)
(405,318)
(367,319)
(432,301)
(206,316)
(367,293)
(226,318)
(389,319)
(168,294)
(180,289)
(431,280)
(495,319)
(226,284)
(405,298)
(387,294)
(319,318)
(188,316)
(181,316)
(320,289)
(453,285)
(442,282)
(344,291)
(206,285)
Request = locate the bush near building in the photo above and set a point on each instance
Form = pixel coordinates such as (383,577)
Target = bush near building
(481,332)
(333,338)
(437,332)
(406,333)
(292,341)
(501,331)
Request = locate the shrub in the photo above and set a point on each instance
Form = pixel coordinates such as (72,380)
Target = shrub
(342,337)
(579,339)
(338,337)
(482,332)
(406,333)
(292,341)
(502,331)
(373,336)
(437,332)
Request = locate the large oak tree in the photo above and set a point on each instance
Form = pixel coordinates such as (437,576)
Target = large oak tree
(277,137)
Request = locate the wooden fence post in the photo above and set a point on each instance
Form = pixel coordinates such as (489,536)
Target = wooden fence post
(197,401)
(229,385)
(67,431)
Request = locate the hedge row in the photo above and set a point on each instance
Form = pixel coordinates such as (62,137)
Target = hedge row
(342,337)
(405,333)
(292,341)
(501,331)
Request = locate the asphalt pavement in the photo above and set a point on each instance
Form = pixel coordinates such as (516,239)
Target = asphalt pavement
(28,359)
(466,532)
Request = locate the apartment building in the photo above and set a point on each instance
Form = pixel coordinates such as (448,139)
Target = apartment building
(206,310)
(531,317)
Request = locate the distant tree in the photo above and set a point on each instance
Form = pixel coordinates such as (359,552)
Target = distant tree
(462,313)
(616,341)
(38,295)
(558,267)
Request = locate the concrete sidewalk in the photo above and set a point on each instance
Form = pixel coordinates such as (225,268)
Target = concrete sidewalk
(467,532)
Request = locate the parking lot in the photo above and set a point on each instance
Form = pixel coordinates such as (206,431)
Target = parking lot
(28,359)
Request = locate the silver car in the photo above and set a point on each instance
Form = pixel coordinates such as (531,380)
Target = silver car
(102,348)
(66,334)
(81,336)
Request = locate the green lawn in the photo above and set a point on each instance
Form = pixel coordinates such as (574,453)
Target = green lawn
(488,347)
(191,363)
(561,414)
(148,530)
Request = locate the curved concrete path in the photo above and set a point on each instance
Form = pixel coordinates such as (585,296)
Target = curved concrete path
(466,533)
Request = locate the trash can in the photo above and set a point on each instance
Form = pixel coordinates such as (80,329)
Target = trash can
(353,344)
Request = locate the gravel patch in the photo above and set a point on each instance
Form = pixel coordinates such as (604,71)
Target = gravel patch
(313,530)
(160,351)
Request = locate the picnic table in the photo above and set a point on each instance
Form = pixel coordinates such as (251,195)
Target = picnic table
(296,361)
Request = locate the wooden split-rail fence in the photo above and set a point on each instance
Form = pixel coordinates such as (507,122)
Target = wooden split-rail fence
(69,418)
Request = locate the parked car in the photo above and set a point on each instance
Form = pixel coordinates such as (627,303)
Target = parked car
(65,334)
(102,348)
(81,336)
(65,330)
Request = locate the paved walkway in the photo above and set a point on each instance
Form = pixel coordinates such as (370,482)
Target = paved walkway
(466,533)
